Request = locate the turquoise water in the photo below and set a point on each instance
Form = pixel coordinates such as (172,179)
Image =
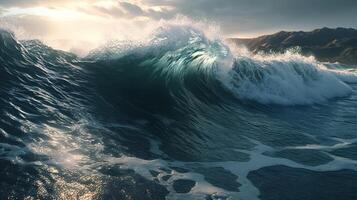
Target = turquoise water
(178,117)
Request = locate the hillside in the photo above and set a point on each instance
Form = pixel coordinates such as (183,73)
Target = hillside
(326,44)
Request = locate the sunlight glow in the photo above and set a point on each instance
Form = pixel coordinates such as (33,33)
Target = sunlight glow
(64,14)
(80,26)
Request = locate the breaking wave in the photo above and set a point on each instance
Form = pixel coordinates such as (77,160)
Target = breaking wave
(179,99)
(186,58)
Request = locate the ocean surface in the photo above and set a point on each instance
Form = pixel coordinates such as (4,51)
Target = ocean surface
(180,116)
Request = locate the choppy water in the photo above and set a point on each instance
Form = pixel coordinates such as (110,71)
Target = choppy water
(178,117)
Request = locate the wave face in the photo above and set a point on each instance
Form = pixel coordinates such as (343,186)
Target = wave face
(177,116)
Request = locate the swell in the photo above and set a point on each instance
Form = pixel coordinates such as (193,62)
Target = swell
(164,76)
(179,65)
(177,70)
(39,87)
(189,93)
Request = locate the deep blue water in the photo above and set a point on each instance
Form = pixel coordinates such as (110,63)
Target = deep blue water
(179,117)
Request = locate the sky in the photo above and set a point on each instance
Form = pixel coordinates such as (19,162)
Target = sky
(90,21)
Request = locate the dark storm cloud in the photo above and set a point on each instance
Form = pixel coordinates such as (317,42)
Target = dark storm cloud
(269,15)
(234,16)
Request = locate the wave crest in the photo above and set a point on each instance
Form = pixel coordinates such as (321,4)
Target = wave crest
(292,81)
(181,64)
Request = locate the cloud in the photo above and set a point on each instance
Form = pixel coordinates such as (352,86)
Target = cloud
(242,17)
(66,24)
(115,12)
(268,15)
(131,9)
(6,3)
(32,3)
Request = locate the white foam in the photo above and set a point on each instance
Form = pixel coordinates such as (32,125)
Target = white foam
(287,79)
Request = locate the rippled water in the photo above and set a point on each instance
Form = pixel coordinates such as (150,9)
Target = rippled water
(178,117)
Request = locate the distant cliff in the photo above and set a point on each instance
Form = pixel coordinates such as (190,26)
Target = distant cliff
(326,44)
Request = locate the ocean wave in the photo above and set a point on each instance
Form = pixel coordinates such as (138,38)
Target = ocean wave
(292,81)
(179,105)
(180,64)
(288,79)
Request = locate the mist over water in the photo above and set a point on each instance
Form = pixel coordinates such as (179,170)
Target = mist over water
(179,115)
